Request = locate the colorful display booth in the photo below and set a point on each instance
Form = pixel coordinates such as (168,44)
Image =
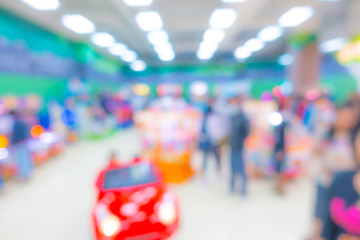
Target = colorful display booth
(259,145)
(168,132)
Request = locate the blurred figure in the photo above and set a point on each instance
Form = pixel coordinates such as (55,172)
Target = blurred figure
(334,154)
(279,151)
(1,182)
(239,130)
(113,160)
(222,126)
(342,217)
(310,115)
(208,140)
(20,133)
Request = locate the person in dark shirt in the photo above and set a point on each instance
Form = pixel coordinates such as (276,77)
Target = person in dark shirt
(1,182)
(205,142)
(20,133)
(342,220)
(239,130)
(280,153)
(343,216)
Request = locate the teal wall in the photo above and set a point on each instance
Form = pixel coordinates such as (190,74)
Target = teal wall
(16,30)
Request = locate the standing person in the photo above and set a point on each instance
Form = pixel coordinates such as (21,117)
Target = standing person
(239,130)
(334,154)
(221,125)
(20,133)
(342,216)
(280,153)
(1,181)
(206,139)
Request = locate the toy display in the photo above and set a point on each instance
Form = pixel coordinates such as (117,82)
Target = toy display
(134,203)
(8,167)
(259,145)
(123,110)
(168,133)
(43,143)
(169,89)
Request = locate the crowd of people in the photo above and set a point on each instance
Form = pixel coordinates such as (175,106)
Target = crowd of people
(334,164)
(334,130)
(79,116)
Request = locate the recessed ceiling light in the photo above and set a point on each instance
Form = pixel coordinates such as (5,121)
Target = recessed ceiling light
(286,59)
(208,47)
(204,55)
(102,39)
(233,1)
(158,37)
(78,24)
(214,35)
(254,44)
(138,3)
(129,56)
(149,21)
(270,33)
(167,56)
(138,66)
(223,18)
(242,53)
(163,48)
(43,5)
(333,45)
(118,49)
(296,16)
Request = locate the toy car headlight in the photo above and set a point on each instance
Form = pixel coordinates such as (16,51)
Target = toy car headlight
(110,226)
(167,213)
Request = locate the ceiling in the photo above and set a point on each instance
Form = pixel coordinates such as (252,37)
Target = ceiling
(186,20)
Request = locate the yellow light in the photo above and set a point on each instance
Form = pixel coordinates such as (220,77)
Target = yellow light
(141,89)
(349,53)
(110,226)
(36,131)
(3,141)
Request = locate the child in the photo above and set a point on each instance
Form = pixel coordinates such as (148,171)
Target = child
(342,216)
(335,154)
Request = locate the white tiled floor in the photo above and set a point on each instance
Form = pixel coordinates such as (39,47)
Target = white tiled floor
(55,204)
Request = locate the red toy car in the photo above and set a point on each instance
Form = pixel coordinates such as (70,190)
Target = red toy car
(134,204)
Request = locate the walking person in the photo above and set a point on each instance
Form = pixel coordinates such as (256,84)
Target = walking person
(280,156)
(207,140)
(335,155)
(1,182)
(20,133)
(239,130)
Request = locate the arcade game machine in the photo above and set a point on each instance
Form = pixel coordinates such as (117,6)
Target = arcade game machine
(123,112)
(69,120)
(264,117)
(45,141)
(140,98)
(168,132)
(174,90)
(8,167)
(259,144)
(45,144)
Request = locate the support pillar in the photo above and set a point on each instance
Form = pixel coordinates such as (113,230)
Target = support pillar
(305,70)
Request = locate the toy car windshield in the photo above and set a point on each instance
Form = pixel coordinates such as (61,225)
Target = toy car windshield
(129,176)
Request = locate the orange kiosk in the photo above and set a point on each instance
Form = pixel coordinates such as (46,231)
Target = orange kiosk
(169,137)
